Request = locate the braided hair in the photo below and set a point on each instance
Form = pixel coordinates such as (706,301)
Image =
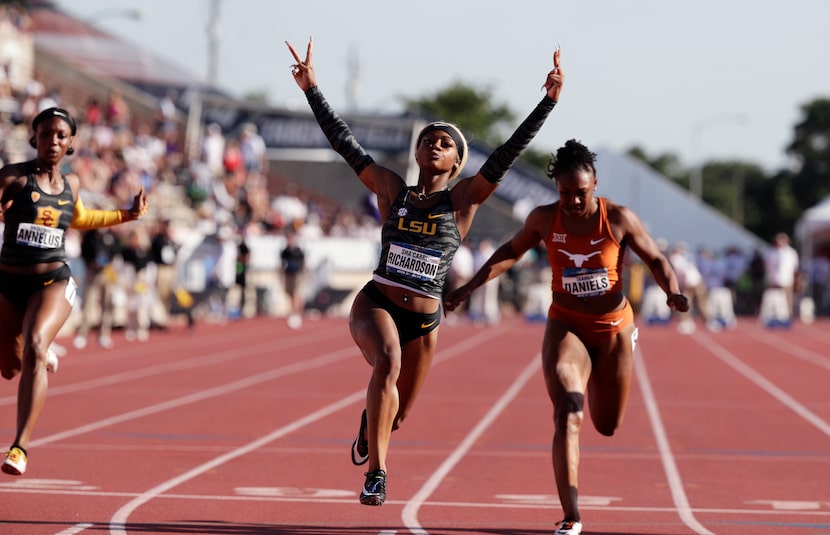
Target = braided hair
(574,156)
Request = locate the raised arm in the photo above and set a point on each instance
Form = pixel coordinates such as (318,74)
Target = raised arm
(333,126)
(484,183)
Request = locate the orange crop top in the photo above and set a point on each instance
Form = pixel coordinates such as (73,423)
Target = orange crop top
(586,265)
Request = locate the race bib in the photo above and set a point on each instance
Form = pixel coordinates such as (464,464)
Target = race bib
(414,262)
(71,291)
(583,282)
(39,236)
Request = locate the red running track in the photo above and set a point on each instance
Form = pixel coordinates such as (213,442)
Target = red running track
(245,429)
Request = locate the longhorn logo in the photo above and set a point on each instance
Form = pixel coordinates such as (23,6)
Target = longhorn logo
(578,259)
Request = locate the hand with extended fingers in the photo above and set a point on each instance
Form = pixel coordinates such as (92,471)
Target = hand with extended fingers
(556,78)
(140,205)
(303,71)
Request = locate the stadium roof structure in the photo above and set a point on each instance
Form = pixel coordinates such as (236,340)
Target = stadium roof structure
(668,211)
(82,45)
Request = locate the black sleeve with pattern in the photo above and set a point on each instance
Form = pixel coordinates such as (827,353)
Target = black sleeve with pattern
(503,157)
(337,132)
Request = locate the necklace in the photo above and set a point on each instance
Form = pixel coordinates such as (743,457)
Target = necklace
(424,196)
(42,170)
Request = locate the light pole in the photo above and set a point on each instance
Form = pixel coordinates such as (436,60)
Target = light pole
(214,33)
(696,178)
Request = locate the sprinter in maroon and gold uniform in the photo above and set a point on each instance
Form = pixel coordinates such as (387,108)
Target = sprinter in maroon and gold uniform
(590,334)
(37,291)
(394,319)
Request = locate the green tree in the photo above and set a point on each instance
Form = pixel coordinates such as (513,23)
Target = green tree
(810,149)
(781,199)
(733,188)
(667,164)
(741,191)
(536,158)
(776,205)
(473,110)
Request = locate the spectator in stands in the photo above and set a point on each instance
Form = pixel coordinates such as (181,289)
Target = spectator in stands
(99,248)
(484,302)
(757,280)
(37,292)
(781,268)
(51,99)
(734,267)
(820,281)
(711,268)
(117,112)
(29,106)
(462,268)
(292,261)
(253,149)
(232,157)
(588,346)
(213,150)
(165,113)
(691,284)
(139,281)
(222,276)
(720,305)
(163,253)
(5,81)
(92,112)
(288,207)
(243,259)
(255,205)
(394,319)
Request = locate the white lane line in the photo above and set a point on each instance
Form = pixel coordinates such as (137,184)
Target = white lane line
(767,385)
(202,360)
(410,512)
(199,396)
(775,507)
(119,519)
(681,501)
(796,351)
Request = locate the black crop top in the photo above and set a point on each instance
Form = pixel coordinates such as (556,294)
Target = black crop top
(419,243)
(36,223)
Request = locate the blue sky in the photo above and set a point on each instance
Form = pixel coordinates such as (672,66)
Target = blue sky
(704,80)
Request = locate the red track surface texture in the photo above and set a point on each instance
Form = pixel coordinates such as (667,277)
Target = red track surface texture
(245,429)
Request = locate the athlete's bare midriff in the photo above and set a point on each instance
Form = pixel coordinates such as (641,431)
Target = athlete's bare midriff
(408,299)
(32,269)
(599,304)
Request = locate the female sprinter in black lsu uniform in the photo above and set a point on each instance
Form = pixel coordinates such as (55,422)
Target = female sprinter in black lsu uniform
(36,288)
(394,319)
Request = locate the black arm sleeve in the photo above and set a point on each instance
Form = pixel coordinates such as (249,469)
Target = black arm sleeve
(337,132)
(503,157)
